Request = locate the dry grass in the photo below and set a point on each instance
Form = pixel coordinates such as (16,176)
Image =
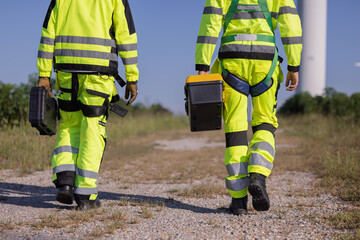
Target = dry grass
(203,191)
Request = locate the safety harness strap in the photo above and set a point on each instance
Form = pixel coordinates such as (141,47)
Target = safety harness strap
(235,82)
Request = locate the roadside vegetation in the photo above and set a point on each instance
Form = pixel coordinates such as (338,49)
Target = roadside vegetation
(329,129)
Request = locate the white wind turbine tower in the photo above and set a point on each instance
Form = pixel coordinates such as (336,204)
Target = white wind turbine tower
(313,14)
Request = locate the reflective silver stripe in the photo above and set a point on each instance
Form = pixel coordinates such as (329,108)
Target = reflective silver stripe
(234,169)
(86,54)
(287,10)
(69,149)
(45,55)
(130,61)
(246,37)
(47,41)
(291,40)
(85,191)
(247,48)
(248,7)
(86,173)
(213,10)
(237,184)
(258,160)
(63,168)
(127,47)
(206,39)
(248,15)
(263,146)
(86,40)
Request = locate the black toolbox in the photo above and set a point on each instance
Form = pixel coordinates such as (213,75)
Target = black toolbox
(43,111)
(204,101)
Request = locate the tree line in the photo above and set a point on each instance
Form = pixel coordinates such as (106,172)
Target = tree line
(331,103)
(14,103)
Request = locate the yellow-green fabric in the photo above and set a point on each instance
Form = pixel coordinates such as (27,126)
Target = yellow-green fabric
(249,59)
(87,36)
(236,55)
(241,160)
(81,140)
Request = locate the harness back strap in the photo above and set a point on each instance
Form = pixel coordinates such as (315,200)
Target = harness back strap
(234,7)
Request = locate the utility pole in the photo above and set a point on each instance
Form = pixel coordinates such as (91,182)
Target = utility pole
(313,14)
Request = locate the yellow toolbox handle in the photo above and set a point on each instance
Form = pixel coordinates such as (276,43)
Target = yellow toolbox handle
(204,78)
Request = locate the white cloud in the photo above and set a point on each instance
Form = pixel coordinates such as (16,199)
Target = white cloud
(357,64)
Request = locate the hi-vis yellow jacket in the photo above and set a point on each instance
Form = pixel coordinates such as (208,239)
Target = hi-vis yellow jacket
(246,24)
(86,36)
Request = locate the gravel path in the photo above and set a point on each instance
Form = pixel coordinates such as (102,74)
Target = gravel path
(155,211)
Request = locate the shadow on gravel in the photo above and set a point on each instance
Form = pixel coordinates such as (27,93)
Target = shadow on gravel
(170,203)
(29,196)
(44,197)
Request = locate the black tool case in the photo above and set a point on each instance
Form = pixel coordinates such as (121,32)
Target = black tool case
(204,101)
(43,111)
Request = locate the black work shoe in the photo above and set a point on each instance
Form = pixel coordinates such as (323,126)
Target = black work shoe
(257,189)
(65,194)
(83,202)
(238,206)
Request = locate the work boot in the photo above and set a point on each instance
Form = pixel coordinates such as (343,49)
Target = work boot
(257,189)
(238,206)
(65,194)
(83,203)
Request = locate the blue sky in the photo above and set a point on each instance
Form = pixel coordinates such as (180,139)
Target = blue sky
(167,32)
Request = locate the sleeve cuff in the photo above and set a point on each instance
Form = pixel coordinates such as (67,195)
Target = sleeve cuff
(45,74)
(293,68)
(202,67)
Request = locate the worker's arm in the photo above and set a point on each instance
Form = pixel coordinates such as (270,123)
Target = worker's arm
(126,39)
(47,42)
(210,27)
(291,33)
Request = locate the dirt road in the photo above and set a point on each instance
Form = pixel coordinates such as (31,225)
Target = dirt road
(169,203)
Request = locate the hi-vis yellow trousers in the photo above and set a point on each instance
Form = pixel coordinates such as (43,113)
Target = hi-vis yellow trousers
(81,136)
(241,157)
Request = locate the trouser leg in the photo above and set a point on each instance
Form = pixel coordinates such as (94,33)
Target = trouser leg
(68,135)
(94,95)
(236,125)
(264,123)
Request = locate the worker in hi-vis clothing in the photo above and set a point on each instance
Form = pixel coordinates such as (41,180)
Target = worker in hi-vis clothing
(249,63)
(82,40)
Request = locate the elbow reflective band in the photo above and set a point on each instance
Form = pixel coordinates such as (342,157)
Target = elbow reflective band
(130,61)
(207,39)
(291,40)
(45,55)
(127,47)
(213,10)
(47,41)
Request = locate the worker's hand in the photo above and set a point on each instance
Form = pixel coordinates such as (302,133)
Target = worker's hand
(132,90)
(202,72)
(292,81)
(45,82)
